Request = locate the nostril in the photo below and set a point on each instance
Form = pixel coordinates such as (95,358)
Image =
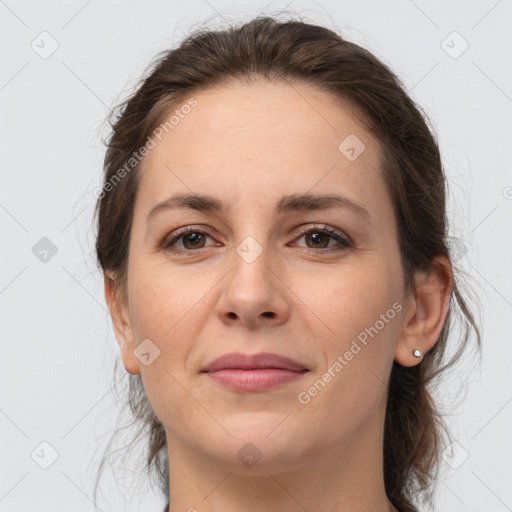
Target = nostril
(232,315)
(269,314)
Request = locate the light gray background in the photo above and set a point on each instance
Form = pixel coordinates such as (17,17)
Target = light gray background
(58,347)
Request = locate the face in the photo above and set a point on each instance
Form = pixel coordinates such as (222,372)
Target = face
(295,253)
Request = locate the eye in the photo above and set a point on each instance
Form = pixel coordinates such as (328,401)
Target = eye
(190,238)
(318,239)
(323,239)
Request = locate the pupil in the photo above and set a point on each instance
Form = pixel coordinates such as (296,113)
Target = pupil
(316,238)
(194,238)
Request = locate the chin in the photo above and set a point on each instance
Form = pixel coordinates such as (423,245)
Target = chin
(254,447)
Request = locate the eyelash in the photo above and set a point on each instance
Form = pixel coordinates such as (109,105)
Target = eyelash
(344,242)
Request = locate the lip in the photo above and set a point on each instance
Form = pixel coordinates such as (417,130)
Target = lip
(257,372)
(239,361)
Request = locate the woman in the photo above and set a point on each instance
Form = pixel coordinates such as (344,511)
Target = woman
(272,233)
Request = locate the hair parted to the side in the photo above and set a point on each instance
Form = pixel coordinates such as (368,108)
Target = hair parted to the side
(294,51)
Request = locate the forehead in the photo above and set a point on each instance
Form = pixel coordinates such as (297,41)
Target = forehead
(298,113)
(263,138)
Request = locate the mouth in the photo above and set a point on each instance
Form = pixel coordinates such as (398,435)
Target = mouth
(252,373)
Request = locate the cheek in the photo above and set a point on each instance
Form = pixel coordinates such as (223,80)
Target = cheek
(362,309)
(351,300)
(169,308)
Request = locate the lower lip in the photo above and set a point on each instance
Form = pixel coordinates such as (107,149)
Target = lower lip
(254,380)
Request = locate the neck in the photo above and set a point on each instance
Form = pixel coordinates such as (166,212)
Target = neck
(347,477)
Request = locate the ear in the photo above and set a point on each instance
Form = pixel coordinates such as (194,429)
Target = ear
(425,311)
(121,322)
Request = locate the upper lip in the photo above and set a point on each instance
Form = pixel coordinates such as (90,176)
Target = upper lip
(252,362)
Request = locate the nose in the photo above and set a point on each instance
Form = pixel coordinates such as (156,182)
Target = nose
(253,294)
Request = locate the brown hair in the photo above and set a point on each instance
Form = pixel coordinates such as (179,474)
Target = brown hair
(295,51)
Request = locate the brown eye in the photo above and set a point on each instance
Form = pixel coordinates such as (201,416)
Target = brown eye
(193,240)
(320,240)
(187,239)
(317,240)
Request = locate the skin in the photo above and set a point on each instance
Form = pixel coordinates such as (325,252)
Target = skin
(248,145)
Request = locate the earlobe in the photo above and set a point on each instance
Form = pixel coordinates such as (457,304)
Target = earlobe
(121,323)
(425,312)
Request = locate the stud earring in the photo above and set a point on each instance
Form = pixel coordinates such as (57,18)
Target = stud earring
(417,353)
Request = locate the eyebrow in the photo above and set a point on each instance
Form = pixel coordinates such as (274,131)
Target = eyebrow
(288,203)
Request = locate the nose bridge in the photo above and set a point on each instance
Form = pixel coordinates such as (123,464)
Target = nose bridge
(252,294)
(251,265)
